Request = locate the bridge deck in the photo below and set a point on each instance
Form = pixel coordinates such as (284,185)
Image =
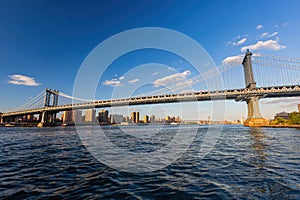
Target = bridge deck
(236,94)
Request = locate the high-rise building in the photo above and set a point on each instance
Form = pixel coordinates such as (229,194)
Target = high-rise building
(77,116)
(90,116)
(68,117)
(152,119)
(1,118)
(146,119)
(172,119)
(28,118)
(167,119)
(128,119)
(72,116)
(135,117)
(298,107)
(116,119)
(103,116)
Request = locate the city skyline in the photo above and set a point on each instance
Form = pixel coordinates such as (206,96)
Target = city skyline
(43,47)
(104,117)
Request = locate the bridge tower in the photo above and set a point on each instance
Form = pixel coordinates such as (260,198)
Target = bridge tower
(254,115)
(51,99)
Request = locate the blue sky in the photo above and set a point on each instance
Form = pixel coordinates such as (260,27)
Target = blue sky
(45,42)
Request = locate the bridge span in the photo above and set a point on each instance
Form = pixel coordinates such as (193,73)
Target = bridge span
(236,94)
(250,94)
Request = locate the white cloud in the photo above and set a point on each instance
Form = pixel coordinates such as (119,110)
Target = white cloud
(237,58)
(256,54)
(259,26)
(291,101)
(171,79)
(241,41)
(112,82)
(285,24)
(115,82)
(18,79)
(269,44)
(171,68)
(266,34)
(155,73)
(134,80)
(229,59)
(273,34)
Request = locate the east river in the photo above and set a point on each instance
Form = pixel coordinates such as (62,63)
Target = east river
(237,163)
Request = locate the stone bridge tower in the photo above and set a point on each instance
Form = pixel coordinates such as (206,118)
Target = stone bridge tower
(50,100)
(254,116)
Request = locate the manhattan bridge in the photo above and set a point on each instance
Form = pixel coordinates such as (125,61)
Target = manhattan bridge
(263,76)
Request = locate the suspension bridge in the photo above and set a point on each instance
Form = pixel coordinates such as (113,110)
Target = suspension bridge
(275,77)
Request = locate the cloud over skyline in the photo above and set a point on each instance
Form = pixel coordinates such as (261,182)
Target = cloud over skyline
(268,45)
(134,80)
(18,79)
(240,42)
(259,26)
(113,82)
(266,34)
(230,59)
(171,79)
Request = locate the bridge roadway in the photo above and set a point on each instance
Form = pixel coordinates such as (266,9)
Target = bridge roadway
(235,94)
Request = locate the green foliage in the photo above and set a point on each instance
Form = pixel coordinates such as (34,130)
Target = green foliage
(294,118)
(279,121)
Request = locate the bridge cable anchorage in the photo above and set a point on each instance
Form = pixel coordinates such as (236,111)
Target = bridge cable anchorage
(192,81)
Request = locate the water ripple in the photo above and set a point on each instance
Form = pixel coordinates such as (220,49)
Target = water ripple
(52,163)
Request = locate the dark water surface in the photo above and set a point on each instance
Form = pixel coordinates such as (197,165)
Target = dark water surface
(245,163)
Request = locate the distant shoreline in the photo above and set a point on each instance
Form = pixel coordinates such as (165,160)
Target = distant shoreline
(284,126)
(34,125)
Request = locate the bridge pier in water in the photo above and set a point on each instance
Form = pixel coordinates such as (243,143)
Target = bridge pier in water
(254,115)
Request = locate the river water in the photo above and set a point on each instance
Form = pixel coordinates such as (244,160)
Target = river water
(243,163)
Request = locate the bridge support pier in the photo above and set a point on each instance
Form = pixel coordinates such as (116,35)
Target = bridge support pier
(47,119)
(254,116)
(42,120)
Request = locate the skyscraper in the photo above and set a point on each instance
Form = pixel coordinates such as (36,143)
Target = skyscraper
(135,117)
(146,119)
(90,116)
(116,119)
(152,119)
(167,119)
(68,117)
(77,116)
(103,116)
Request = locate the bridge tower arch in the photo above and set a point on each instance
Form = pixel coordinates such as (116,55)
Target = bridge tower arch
(254,115)
(51,99)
